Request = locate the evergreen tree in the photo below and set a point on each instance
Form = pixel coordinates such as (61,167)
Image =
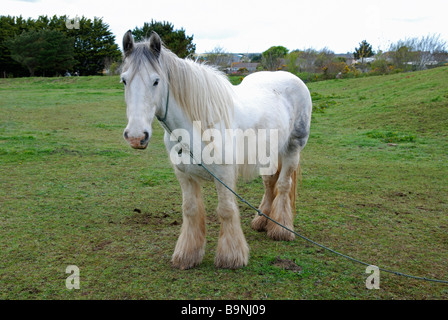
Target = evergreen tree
(364,51)
(47,51)
(92,44)
(9,28)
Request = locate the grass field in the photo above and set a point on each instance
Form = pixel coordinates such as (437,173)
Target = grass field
(374,186)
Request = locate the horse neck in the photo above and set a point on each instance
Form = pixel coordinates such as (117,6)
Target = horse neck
(172,115)
(199,91)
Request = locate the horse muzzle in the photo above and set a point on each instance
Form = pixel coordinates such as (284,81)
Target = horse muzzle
(140,142)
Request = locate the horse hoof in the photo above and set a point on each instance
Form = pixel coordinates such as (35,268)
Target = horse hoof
(229,264)
(278,233)
(259,223)
(184,262)
(235,259)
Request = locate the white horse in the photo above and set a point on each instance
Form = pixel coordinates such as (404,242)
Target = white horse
(182,93)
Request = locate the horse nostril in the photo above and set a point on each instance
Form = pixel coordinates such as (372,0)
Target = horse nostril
(126,135)
(144,141)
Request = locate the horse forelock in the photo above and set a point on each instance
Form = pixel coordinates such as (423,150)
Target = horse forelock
(141,59)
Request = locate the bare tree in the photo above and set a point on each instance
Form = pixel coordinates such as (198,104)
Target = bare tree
(307,59)
(218,57)
(431,49)
(401,54)
(419,53)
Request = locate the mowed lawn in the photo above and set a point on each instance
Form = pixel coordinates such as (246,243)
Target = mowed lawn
(374,187)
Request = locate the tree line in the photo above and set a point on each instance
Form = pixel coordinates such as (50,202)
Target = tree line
(54,46)
(410,54)
(49,46)
(310,64)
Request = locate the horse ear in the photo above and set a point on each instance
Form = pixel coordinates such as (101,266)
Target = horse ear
(128,43)
(155,44)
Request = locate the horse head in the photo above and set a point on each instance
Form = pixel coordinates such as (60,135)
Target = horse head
(145,87)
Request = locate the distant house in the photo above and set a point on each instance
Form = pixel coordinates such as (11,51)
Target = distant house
(348,57)
(220,60)
(366,60)
(241,67)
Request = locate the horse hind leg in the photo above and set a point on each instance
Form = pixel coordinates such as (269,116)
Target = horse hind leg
(259,222)
(283,206)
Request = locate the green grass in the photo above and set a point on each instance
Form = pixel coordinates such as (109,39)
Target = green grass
(374,186)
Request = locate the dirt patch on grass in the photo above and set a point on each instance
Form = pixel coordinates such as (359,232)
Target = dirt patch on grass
(286,264)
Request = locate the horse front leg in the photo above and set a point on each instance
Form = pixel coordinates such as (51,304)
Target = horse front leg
(232,251)
(190,246)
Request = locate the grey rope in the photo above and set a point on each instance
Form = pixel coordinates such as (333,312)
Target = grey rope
(163,123)
(314,242)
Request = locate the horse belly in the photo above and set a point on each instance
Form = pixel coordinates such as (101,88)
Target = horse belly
(194,170)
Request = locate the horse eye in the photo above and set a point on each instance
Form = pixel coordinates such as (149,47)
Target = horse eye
(124,81)
(156,82)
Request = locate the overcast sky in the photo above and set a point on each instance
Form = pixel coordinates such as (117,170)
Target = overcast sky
(253,26)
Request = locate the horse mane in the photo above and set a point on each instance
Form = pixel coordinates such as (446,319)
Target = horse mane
(203,92)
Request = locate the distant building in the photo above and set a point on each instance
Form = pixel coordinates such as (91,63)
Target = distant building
(349,59)
(241,67)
